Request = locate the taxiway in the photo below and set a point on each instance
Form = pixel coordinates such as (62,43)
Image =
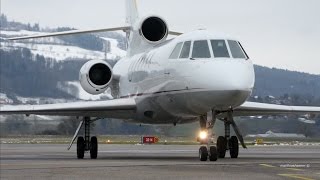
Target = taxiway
(51,161)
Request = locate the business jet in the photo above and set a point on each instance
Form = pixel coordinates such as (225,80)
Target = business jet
(196,76)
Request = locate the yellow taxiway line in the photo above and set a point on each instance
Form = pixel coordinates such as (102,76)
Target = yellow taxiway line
(296,176)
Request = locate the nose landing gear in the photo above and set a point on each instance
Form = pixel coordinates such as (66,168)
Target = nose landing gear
(207,149)
(224,143)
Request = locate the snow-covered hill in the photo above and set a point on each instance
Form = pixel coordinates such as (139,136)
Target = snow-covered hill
(55,48)
(59,50)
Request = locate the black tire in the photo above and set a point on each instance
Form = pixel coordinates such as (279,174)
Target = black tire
(213,156)
(221,146)
(234,147)
(80,147)
(203,153)
(94,147)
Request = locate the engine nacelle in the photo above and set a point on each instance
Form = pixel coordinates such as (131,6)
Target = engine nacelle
(153,29)
(95,76)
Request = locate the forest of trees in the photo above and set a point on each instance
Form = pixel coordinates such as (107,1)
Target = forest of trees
(12,25)
(277,82)
(24,74)
(28,75)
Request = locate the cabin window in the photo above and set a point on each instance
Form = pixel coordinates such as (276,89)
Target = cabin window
(200,49)
(176,51)
(236,50)
(185,51)
(219,48)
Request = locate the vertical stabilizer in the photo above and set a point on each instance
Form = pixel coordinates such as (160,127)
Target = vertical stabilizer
(132,14)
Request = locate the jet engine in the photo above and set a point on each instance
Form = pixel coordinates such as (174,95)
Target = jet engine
(153,29)
(95,76)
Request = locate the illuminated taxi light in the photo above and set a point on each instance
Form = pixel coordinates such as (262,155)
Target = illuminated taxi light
(203,134)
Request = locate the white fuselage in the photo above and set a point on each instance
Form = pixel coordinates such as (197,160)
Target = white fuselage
(180,90)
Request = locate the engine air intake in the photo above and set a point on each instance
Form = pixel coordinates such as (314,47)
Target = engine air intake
(154,29)
(100,74)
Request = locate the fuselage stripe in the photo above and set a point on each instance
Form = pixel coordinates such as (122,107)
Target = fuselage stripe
(158,92)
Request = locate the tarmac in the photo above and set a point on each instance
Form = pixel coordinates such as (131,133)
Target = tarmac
(53,161)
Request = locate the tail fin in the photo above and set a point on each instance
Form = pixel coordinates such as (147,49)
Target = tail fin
(131,11)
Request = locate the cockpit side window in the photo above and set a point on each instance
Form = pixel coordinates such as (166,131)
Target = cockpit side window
(176,51)
(201,49)
(185,50)
(244,51)
(236,50)
(219,48)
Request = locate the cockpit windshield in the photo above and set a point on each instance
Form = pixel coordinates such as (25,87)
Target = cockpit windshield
(220,48)
(200,49)
(185,50)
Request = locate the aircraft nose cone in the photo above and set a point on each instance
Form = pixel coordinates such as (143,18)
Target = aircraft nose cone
(224,75)
(228,83)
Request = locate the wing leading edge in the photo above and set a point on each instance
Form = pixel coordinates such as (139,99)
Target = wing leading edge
(253,108)
(73,32)
(117,108)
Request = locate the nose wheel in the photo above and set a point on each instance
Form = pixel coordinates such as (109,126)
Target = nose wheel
(207,149)
(213,155)
(224,143)
(204,154)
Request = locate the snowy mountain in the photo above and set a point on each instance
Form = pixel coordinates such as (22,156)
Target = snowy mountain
(56,52)
(58,49)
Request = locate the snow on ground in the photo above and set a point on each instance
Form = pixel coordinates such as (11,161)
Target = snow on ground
(45,118)
(55,48)
(60,52)
(52,40)
(114,47)
(4,99)
(39,100)
(82,94)
(20,33)
(3,96)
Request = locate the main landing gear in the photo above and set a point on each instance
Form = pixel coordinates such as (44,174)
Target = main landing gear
(224,143)
(85,143)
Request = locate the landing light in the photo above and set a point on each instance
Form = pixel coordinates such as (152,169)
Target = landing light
(203,135)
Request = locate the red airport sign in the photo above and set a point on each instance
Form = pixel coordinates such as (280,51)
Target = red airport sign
(149,139)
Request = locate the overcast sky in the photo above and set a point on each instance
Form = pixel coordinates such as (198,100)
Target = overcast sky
(275,33)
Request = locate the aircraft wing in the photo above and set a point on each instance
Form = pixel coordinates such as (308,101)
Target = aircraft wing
(254,108)
(72,32)
(117,108)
